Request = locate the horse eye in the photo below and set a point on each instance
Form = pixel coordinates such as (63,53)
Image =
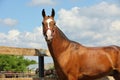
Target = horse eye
(54,23)
(42,23)
(53,31)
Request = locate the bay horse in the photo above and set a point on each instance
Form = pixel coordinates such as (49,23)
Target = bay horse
(74,61)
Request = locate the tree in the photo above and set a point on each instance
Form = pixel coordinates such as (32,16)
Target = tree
(14,63)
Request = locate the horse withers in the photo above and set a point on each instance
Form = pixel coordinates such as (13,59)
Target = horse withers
(74,61)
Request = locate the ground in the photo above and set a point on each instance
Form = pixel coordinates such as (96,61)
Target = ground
(106,78)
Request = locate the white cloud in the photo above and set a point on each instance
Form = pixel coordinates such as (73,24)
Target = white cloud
(8,22)
(101,10)
(13,34)
(88,25)
(115,25)
(95,25)
(16,38)
(41,2)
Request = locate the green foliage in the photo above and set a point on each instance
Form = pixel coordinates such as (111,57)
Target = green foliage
(14,63)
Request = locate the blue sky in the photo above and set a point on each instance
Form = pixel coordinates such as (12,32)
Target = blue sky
(89,22)
(29,16)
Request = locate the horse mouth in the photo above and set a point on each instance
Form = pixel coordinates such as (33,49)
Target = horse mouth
(48,40)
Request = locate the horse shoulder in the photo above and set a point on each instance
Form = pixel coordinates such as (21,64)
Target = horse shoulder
(69,59)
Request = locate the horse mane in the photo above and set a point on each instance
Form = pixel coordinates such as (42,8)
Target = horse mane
(62,34)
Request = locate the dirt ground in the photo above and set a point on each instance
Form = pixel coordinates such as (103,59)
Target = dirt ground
(106,78)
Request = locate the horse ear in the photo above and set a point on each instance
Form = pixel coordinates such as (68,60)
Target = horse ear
(53,12)
(43,13)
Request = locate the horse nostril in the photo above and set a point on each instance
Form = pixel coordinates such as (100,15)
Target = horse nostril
(45,35)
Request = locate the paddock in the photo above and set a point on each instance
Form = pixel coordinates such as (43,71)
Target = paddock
(41,53)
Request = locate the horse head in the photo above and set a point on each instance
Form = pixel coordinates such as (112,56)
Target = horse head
(48,25)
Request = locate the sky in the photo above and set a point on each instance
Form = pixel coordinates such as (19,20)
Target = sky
(89,22)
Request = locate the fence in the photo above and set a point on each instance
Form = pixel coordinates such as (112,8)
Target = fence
(27,52)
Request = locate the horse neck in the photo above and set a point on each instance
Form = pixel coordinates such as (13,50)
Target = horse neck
(59,43)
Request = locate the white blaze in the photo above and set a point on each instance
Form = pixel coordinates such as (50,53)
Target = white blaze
(49,32)
(48,22)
